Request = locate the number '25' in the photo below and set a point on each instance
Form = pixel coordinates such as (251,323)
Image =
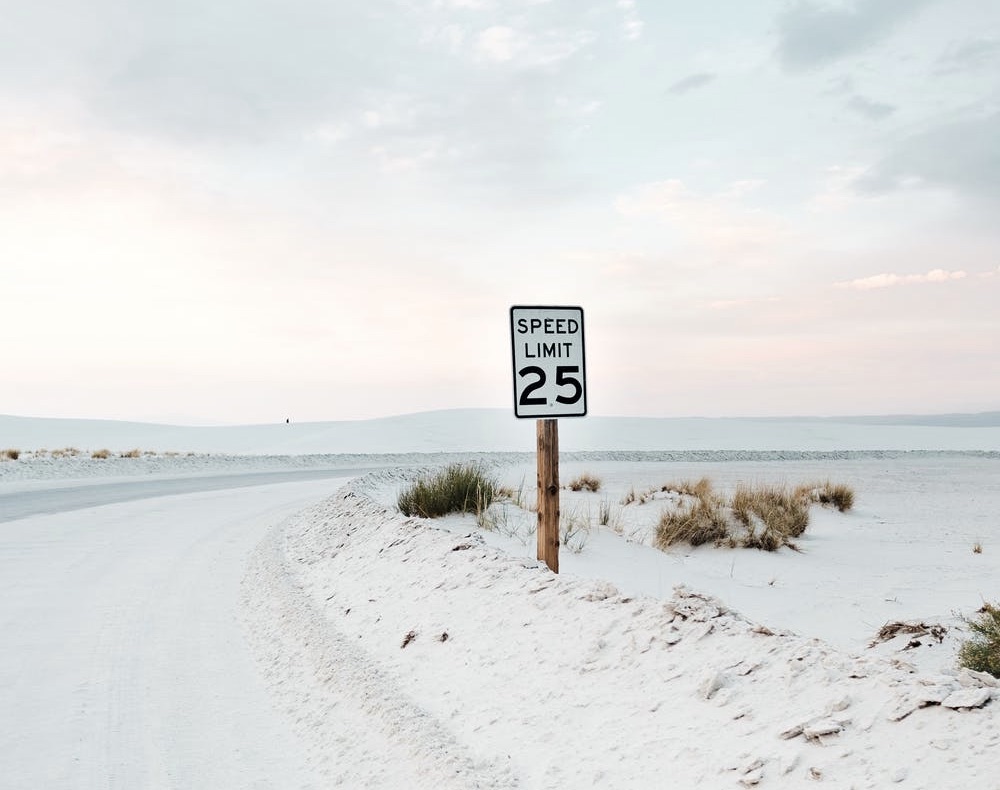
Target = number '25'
(562,378)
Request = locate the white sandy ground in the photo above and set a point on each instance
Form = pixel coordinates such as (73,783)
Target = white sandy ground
(123,663)
(604,676)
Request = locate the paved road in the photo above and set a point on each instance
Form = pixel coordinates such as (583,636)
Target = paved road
(123,658)
(23,504)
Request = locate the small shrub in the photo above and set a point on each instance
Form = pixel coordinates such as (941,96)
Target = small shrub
(977,548)
(101,454)
(981,652)
(11,454)
(836,495)
(458,488)
(132,453)
(586,481)
(696,522)
(780,512)
(701,488)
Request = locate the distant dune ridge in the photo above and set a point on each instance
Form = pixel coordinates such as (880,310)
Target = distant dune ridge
(497,430)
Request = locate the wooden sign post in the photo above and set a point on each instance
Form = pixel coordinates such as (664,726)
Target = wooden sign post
(548,493)
(550,381)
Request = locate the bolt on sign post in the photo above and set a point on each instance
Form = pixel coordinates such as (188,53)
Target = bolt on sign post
(549,382)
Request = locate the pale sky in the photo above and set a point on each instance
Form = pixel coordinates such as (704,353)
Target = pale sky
(247,211)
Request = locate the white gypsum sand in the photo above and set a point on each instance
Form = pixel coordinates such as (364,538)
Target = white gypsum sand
(757,671)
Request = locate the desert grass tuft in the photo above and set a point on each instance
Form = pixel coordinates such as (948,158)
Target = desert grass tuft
(838,495)
(698,521)
(981,652)
(769,513)
(101,454)
(458,488)
(701,488)
(765,517)
(10,454)
(135,453)
(585,482)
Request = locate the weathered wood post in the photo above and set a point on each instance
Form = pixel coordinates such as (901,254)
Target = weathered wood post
(548,493)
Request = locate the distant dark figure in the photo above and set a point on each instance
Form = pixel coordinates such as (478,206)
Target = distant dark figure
(287,421)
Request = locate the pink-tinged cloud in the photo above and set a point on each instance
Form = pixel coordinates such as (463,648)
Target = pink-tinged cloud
(889,280)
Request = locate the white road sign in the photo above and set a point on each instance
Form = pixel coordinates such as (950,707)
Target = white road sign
(549,372)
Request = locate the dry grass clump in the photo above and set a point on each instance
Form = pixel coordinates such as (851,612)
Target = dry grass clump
(458,488)
(630,497)
(981,652)
(701,488)
(102,454)
(764,517)
(698,521)
(917,630)
(10,454)
(135,453)
(586,481)
(771,515)
(836,495)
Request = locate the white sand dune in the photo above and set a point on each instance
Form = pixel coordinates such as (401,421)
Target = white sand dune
(495,430)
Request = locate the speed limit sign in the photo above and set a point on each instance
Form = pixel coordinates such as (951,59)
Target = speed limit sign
(549,371)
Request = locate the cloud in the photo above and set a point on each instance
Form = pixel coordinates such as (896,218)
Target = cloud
(465,92)
(451,38)
(718,224)
(963,156)
(632,25)
(873,110)
(691,82)
(812,34)
(473,5)
(731,304)
(500,44)
(971,54)
(890,280)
